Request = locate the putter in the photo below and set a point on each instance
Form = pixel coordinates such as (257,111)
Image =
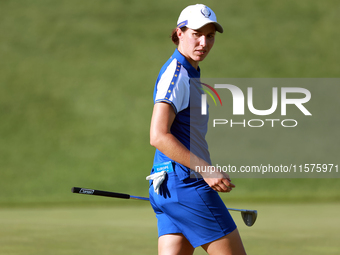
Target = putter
(248,216)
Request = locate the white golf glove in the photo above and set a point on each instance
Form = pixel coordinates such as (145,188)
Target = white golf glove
(158,179)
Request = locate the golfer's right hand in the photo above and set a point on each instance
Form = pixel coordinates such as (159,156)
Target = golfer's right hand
(218,181)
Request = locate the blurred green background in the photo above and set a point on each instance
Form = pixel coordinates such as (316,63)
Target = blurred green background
(76,84)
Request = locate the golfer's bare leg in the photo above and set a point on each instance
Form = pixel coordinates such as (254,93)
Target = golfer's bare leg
(174,244)
(230,244)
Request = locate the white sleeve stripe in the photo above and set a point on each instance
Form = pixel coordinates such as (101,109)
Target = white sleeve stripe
(173,86)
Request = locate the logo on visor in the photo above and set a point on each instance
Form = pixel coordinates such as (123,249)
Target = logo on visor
(206,12)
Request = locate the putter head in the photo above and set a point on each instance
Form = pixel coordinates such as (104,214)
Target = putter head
(249,217)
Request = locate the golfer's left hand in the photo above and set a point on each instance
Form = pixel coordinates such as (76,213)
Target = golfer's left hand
(218,181)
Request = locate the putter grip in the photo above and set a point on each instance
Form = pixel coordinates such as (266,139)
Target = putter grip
(99,193)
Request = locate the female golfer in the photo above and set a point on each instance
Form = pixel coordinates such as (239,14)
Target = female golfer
(188,208)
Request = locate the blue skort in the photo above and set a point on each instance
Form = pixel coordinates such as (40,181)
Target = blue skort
(192,208)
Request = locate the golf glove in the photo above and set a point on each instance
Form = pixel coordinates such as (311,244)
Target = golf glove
(157,179)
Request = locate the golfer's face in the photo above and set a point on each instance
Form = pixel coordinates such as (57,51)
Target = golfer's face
(196,44)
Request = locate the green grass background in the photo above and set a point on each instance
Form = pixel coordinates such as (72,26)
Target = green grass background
(132,230)
(76,83)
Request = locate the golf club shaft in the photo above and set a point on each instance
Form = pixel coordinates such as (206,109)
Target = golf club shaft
(124,196)
(106,193)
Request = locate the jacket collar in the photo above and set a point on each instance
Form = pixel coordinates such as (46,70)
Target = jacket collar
(193,73)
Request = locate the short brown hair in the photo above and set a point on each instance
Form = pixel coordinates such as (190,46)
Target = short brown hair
(174,36)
